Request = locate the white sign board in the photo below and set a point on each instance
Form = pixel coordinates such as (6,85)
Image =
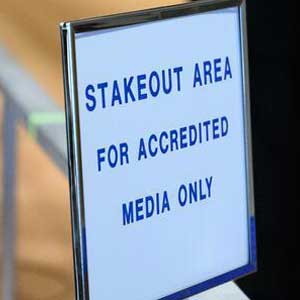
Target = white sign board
(159,152)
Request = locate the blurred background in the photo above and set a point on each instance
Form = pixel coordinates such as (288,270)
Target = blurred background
(29,32)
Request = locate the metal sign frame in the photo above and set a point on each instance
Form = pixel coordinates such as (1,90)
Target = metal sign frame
(68,31)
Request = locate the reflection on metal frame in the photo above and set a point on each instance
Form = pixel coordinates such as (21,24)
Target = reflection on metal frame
(68,31)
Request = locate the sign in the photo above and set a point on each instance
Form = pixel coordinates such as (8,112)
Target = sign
(158,121)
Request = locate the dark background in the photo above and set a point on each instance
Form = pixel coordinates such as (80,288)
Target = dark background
(272,36)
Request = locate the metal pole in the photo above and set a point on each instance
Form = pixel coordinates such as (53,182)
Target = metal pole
(9,208)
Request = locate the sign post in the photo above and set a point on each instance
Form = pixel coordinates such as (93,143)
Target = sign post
(159,145)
